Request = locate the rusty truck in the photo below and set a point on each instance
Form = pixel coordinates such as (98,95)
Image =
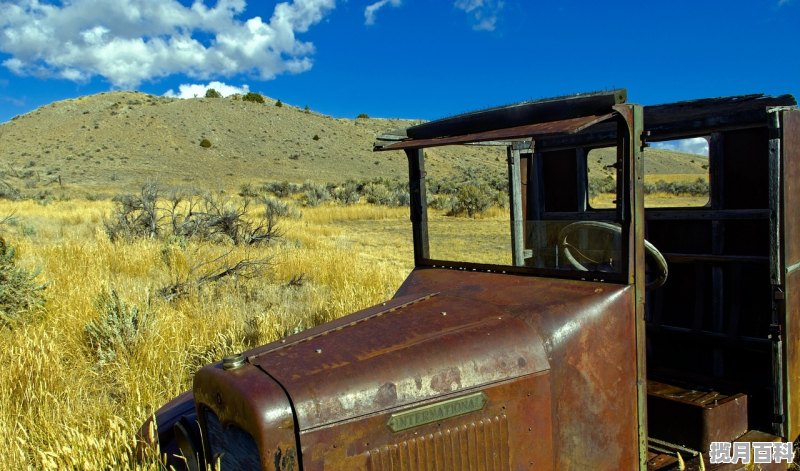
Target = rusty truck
(585,333)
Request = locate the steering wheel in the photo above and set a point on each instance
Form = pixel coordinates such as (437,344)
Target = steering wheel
(567,249)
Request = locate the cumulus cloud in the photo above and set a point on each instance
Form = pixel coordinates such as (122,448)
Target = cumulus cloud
(194,90)
(130,41)
(483,13)
(694,145)
(372,9)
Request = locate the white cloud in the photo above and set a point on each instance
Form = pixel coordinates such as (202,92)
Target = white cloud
(194,90)
(694,145)
(372,9)
(130,41)
(483,13)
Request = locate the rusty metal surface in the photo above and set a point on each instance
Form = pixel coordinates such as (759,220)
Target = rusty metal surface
(791,185)
(682,119)
(693,418)
(527,112)
(791,225)
(588,334)
(511,433)
(431,348)
(479,445)
(536,130)
(253,402)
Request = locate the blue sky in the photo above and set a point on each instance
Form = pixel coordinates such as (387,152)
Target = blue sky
(396,58)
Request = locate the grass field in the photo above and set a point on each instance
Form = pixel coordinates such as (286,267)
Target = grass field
(62,408)
(65,404)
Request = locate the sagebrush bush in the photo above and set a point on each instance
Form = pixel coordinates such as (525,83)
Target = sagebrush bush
(472,199)
(281,189)
(378,193)
(604,184)
(279,208)
(118,328)
(205,143)
(20,293)
(698,187)
(247,190)
(315,193)
(441,202)
(347,194)
(211,93)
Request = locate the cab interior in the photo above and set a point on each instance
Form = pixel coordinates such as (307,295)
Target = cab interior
(714,353)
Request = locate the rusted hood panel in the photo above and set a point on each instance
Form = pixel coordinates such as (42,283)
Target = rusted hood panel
(388,356)
(588,331)
(448,331)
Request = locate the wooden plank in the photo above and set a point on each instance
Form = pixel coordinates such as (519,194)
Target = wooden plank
(515,201)
(419,204)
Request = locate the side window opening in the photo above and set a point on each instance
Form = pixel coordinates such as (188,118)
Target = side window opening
(676,174)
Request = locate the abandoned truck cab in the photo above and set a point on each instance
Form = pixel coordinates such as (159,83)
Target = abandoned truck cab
(590,327)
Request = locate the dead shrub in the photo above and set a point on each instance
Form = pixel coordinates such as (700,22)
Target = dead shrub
(208,217)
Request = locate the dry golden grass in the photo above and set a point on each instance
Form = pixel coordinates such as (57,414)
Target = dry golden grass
(60,409)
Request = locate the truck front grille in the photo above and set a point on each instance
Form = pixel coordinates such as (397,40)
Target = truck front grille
(480,445)
(232,446)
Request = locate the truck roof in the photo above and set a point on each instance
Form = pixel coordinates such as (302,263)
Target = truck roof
(582,118)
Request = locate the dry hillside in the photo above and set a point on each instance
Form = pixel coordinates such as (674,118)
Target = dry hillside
(118,140)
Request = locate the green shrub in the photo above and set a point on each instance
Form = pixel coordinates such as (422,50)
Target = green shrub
(315,193)
(21,295)
(347,194)
(247,190)
(316,137)
(362,116)
(378,193)
(211,93)
(442,202)
(472,199)
(205,143)
(698,187)
(279,208)
(254,97)
(278,104)
(117,330)
(599,185)
(281,189)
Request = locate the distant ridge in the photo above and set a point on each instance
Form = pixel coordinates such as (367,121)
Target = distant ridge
(118,140)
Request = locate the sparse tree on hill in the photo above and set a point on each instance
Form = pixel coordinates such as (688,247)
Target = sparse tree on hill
(254,97)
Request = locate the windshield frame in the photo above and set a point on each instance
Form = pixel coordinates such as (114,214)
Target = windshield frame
(621,214)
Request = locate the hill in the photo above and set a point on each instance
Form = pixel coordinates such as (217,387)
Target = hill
(118,140)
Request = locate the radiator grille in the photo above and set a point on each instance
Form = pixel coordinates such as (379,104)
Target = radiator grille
(234,447)
(477,446)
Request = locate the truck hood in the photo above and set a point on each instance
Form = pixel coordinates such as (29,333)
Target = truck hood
(413,348)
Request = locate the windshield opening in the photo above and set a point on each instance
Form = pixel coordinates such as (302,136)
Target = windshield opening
(470,202)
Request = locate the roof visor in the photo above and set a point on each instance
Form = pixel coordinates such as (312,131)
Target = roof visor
(563,115)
